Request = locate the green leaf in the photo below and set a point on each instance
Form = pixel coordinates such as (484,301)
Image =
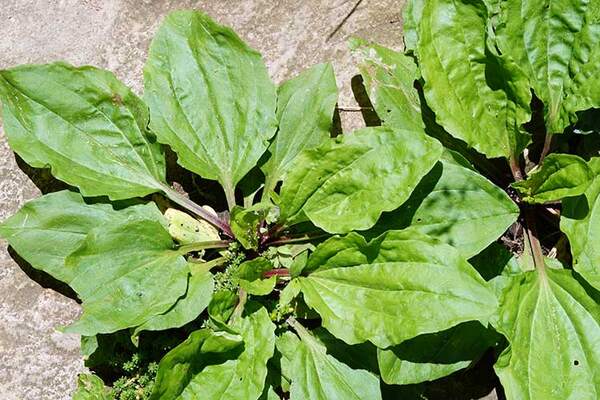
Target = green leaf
(580,222)
(389,290)
(250,275)
(91,387)
(177,369)
(561,175)
(125,274)
(305,106)
(411,15)
(389,77)
(246,222)
(456,205)
(347,183)
(477,96)
(47,229)
(190,372)
(435,355)
(88,127)
(210,97)
(553,327)
(317,375)
(187,308)
(555,43)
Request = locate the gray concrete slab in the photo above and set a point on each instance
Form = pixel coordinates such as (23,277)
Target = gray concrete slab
(37,362)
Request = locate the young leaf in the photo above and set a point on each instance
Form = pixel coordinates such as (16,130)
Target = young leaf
(210,96)
(435,355)
(555,43)
(250,276)
(125,274)
(390,78)
(86,125)
(316,375)
(91,387)
(305,107)
(346,183)
(186,229)
(391,290)
(245,222)
(477,96)
(456,205)
(187,308)
(188,371)
(553,327)
(561,175)
(47,229)
(580,222)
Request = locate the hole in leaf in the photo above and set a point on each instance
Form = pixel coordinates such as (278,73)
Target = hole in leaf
(576,362)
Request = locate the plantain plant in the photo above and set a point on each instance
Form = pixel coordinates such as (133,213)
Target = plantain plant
(354,267)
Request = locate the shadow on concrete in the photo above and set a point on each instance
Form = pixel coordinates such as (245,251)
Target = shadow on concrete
(42,278)
(362,98)
(41,177)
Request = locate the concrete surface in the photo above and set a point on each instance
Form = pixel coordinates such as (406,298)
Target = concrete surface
(36,362)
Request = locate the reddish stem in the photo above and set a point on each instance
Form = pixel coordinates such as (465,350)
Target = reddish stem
(284,272)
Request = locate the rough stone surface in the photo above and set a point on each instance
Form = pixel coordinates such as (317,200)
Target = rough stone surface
(37,362)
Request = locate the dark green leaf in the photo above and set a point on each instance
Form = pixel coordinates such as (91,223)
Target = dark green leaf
(349,181)
(88,127)
(125,274)
(91,387)
(305,107)
(250,276)
(210,96)
(553,327)
(246,222)
(396,287)
(46,230)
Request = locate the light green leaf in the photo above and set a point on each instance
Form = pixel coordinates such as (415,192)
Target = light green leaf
(556,44)
(553,327)
(435,355)
(57,224)
(91,387)
(477,96)
(186,229)
(316,375)
(389,77)
(245,222)
(88,127)
(580,221)
(187,308)
(210,97)
(188,372)
(250,275)
(561,175)
(390,290)
(456,205)
(125,274)
(349,181)
(305,107)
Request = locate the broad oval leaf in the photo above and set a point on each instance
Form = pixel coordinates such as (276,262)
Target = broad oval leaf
(125,274)
(191,372)
(435,355)
(477,96)
(580,221)
(88,127)
(556,44)
(398,286)
(57,223)
(347,183)
(553,327)
(316,375)
(305,106)
(560,175)
(456,205)
(210,97)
